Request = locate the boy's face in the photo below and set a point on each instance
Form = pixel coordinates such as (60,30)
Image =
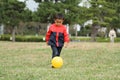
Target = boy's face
(58,22)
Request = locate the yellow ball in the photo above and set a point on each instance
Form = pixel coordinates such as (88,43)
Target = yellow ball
(57,62)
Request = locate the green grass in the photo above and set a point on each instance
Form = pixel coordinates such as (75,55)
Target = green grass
(82,61)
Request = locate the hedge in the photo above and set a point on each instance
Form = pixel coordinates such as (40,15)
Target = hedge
(88,39)
(20,38)
(32,38)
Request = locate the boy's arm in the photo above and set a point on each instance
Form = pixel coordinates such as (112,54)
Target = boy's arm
(66,38)
(48,35)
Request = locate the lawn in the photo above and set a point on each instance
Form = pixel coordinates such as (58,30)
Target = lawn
(82,61)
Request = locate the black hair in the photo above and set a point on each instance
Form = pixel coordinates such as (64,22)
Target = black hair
(59,16)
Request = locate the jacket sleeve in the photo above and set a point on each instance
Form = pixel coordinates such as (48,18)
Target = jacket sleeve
(66,36)
(48,35)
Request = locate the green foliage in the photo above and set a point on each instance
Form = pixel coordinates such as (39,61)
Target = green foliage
(104,24)
(5,37)
(23,38)
(31,38)
(27,16)
(47,10)
(106,13)
(85,31)
(88,39)
(103,13)
(12,12)
(99,39)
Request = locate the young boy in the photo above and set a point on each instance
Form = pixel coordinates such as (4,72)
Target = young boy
(57,35)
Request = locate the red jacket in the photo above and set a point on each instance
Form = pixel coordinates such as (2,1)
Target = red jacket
(57,35)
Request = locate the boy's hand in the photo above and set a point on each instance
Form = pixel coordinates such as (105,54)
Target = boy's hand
(65,44)
(47,43)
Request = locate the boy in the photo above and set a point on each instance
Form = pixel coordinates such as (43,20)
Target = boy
(57,35)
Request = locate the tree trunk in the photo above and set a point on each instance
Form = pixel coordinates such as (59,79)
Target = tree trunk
(94,33)
(13,34)
(76,33)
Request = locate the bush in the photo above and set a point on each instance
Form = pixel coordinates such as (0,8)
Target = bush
(20,38)
(107,39)
(117,39)
(88,39)
(5,37)
(32,38)
(101,39)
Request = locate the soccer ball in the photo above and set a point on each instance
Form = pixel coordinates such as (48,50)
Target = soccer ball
(57,62)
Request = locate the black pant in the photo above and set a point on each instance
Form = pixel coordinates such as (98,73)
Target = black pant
(56,51)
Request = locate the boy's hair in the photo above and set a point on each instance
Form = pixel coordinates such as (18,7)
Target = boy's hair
(59,16)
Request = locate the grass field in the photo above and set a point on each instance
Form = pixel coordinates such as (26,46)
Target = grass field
(82,61)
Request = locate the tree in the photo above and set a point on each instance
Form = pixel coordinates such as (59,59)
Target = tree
(12,14)
(48,8)
(103,14)
(116,19)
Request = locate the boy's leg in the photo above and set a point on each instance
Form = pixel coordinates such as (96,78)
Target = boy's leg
(59,50)
(54,51)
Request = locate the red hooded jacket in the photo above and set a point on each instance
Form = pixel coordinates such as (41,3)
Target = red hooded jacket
(57,35)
